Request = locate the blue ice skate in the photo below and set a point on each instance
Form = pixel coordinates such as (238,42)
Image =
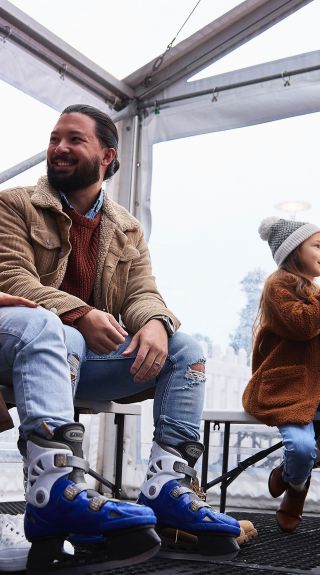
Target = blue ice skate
(186,523)
(106,532)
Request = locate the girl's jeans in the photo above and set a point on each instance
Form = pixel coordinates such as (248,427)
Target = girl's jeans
(299,452)
(47,362)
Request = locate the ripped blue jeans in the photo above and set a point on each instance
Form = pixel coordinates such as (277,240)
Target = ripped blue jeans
(178,389)
(37,354)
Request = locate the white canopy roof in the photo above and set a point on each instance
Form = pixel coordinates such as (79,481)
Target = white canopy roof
(158,101)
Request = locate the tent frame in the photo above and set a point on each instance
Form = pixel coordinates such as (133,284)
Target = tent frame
(159,89)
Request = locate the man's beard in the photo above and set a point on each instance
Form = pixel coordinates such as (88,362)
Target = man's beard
(83,176)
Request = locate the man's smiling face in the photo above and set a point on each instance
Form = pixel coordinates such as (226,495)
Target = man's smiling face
(75,158)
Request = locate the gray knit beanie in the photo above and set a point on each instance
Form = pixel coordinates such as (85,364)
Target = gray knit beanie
(284,236)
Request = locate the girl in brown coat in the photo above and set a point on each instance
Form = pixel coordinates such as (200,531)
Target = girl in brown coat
(285,386)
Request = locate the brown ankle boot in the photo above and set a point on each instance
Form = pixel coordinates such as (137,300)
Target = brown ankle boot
(289,514)
(276,483)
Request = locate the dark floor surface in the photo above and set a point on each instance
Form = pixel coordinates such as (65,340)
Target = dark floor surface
(272,553)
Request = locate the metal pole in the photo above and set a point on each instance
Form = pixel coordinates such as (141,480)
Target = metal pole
(22,167)
(134,165)
(285,76)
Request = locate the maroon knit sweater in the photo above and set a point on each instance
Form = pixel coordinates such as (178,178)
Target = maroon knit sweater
(81,270)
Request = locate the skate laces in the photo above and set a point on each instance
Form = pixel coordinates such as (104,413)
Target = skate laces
(12,531)
(195,486)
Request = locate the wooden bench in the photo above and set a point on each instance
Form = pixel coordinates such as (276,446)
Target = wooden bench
(119,410)
(228,417)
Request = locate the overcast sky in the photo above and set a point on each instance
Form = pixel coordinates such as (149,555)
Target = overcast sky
(206,211)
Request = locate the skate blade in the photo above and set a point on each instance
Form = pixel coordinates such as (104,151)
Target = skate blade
(88,568)
(178,544)
(185,556)
(48,557)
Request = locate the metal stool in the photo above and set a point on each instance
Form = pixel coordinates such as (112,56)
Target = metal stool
(97,406)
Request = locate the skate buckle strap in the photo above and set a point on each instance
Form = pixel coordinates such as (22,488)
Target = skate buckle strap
(196,503)
(71,491)
(97,502)
(78,462)
(63,460)
(181,467)
(177,491)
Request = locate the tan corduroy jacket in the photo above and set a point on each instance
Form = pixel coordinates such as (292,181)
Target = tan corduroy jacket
(34,251)
(285,385)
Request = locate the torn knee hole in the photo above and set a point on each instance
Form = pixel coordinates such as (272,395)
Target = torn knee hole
(196,372)
(198,367)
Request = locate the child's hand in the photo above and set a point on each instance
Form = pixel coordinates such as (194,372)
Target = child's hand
(6,299)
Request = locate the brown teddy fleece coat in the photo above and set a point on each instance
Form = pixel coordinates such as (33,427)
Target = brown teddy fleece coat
(285,385)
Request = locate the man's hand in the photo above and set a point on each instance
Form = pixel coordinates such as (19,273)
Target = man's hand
(151,341)
(8,300)
(101,331)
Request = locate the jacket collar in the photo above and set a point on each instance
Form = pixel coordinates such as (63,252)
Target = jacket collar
(45,196)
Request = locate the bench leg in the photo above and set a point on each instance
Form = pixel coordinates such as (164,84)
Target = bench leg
(205,456)
(225,460)
(119,421)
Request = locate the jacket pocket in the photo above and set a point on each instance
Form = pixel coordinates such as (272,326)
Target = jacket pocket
(282,386)
(46,248)
(118,283)
(44,238)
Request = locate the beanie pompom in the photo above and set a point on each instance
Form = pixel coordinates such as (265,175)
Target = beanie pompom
(266,225)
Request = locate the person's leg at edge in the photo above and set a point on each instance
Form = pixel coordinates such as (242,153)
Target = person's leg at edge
(14,547)
(33,348)
(33,355)
(292,477)
(178,404)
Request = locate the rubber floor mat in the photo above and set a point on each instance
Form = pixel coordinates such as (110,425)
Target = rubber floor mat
(271,553)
